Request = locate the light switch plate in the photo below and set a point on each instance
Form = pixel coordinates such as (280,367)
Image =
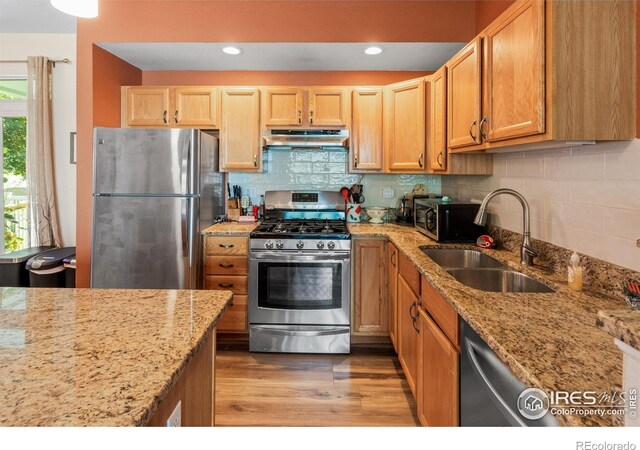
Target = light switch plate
(175,419)
(388,193)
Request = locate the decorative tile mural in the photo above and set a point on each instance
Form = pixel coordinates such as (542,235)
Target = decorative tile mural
(325,170)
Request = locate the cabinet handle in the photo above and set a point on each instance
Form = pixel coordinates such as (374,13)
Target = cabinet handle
(413,305)
(226,245)
(355,161)
(310,117)
(299,117)
(414,325)
(255,160)
(475,138)
(482,122)
(225,266)
(438,158)
(420,160)
(228,285)
(394,255)
(164,116)
(175,116)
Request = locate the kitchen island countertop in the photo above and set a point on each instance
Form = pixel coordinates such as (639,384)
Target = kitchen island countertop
(98,357)
(623,325)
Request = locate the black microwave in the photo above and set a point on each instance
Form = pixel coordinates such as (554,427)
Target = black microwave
(447,222)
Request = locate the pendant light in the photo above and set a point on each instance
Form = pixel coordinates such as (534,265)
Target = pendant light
(78,8)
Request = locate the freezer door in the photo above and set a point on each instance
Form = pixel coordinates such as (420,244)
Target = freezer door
(145,161)
(212,182)
(144,243)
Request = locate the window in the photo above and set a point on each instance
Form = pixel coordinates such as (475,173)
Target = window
(13,138)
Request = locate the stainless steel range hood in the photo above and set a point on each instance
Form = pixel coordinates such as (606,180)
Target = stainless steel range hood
(306,139)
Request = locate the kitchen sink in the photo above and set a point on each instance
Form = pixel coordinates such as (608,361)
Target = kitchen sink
(496,280)
(460,258)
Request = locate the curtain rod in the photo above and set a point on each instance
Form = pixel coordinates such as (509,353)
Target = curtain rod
(52,61)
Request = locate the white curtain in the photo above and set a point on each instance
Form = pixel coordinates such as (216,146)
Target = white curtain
(43,213)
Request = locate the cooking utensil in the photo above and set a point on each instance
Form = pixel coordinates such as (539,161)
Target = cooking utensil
(345,194)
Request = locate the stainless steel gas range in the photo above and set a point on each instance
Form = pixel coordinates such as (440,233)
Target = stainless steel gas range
(300,275)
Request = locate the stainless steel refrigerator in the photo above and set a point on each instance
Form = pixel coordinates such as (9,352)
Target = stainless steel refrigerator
(154,191)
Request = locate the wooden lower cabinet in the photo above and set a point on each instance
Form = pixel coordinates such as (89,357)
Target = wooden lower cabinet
(370,307)
(392,266)
(438,376)
(408,332)
(195,390)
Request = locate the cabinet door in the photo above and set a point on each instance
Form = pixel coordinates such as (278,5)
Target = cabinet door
(437,130)
(464,96)
(196,107)
(240,148)
(328,107)
(515,74)
(438,375)
(147,107)
(406,127)
(392,254)
(366,130)
(283,107)
(408,333)
(370,299)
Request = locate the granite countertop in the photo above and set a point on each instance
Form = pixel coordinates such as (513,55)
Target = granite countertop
(99,357)
(623,325)
(231,229)
(549,341)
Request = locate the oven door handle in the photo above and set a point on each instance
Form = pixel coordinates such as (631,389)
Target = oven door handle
(297,257)
(323,331)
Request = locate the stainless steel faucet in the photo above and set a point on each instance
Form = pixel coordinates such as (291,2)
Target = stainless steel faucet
(526,251)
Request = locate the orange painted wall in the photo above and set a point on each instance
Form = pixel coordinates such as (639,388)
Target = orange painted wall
(488,10)
(230,21)
(275,78)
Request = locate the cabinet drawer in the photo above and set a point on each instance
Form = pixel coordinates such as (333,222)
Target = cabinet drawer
(225,245)
(409,272)
(235,284)
(234,319)
(225,265)
(442,312)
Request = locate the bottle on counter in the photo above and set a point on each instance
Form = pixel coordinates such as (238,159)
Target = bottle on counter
(575,272)
(261,213)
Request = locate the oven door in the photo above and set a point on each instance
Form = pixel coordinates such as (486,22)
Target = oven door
(297,288)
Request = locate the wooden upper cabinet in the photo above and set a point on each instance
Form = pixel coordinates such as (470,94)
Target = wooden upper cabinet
(370,299)
(437,129)
(328,107)
(146,107)
(196,107)
(514,91)
(240,148)
(438,376)
(367,152)
(406,127)
(464,96)
(283,106)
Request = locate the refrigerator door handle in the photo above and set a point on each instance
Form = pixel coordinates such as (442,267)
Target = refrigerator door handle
(184,226)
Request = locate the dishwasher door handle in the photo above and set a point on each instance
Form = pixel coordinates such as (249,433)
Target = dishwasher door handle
(509,413)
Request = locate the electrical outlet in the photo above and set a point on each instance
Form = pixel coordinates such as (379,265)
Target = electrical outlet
(388,193)
(175,419)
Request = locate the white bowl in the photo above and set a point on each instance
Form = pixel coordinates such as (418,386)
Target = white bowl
(376,213)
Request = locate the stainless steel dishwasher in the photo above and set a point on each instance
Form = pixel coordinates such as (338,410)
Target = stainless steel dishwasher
(488,390)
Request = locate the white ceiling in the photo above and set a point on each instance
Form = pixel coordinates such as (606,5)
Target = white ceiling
(34,16)
(414,56)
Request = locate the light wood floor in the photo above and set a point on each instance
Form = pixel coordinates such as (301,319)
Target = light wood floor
(365,388)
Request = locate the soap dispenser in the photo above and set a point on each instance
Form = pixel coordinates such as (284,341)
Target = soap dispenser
(575,272)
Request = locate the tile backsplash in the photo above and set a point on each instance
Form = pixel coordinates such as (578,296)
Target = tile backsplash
(583,198)
(325,170)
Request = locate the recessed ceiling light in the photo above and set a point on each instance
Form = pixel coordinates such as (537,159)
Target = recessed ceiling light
(373,50)
(85,8)
(232,50)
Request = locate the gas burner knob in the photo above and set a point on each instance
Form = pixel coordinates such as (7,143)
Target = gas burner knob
(279,244)
(269,244)
(331,245)
(300,245)
(320,245)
